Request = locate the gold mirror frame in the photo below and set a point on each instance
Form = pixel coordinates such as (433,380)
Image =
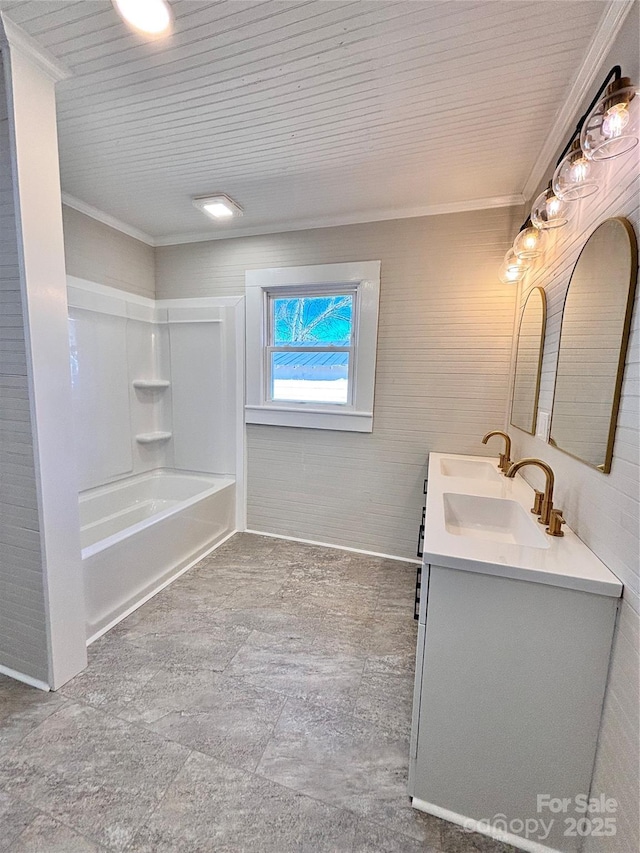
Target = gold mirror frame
(543,329)
(605,467)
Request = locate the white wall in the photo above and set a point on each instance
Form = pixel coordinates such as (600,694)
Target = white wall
(23,641)
(604,509)
(203,383)
(117,338)
(444,344)
(41,624)
(114,341)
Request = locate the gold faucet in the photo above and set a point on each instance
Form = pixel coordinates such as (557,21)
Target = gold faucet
(545,507)
(504,460)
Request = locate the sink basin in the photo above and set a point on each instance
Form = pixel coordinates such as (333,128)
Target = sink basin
(469,468)
(496,519)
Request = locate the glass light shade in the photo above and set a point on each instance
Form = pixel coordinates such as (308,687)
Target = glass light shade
(513,268)
(575,176)
(529,244)
(611,128)
(549,211)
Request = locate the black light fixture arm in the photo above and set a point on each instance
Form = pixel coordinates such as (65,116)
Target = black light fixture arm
(614,74)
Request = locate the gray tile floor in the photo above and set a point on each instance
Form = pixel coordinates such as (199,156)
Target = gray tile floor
(260,704)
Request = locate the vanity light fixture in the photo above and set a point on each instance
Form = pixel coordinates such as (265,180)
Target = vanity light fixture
(575,176)
(611,128)
(549,211)
(513,268)
(529,244)
(152,17)
(608,128)
(218,206)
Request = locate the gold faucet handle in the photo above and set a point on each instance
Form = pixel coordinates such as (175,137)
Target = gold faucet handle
(536,509)
(501,461)
(555,523)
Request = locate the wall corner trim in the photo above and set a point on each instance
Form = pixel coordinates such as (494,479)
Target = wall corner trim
(608,28)
(14,37)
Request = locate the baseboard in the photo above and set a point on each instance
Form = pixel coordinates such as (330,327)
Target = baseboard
(158,589)
(25,679)
(337,547)
(482,828)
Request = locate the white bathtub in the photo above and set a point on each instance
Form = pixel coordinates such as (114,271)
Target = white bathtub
(138,533)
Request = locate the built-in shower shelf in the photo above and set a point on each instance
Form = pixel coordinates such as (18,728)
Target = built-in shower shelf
(151,384)
(152,437)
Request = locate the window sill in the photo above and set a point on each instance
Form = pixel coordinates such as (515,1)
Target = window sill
(310,418)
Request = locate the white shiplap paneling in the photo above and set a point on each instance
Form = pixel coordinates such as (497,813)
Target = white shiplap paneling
(444,343)
(96,252)
(23,639)
(604,509)
(307,111)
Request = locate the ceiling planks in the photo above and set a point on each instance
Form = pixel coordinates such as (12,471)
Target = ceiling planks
(307,111)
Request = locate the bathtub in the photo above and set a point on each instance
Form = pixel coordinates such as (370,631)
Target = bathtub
(142,531)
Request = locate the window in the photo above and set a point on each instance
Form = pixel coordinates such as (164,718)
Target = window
(310,348)
(311,345)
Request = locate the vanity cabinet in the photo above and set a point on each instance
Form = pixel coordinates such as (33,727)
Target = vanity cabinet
(510,677)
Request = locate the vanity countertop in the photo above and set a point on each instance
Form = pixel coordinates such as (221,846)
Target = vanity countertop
(557,561)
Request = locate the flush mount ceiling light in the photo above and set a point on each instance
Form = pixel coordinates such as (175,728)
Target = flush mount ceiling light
(576,177)
(611,128)
(152,17)
(549,211)
(218,206)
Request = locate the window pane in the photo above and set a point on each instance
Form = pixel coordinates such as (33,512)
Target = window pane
(310,377)
(312,320)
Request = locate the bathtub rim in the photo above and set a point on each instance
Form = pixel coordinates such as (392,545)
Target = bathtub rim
(167,582)
(223,481)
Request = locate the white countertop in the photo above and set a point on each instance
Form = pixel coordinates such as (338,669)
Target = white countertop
(567,562)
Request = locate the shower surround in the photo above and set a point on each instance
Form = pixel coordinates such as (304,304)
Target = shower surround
(157,407)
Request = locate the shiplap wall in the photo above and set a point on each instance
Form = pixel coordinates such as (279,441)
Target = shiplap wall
(97,252)
(603,509)
(23,640)
(444,344)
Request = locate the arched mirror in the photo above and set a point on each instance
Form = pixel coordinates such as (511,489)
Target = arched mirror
(526,387)
(593,344)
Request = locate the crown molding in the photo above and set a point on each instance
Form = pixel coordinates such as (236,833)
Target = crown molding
(299,225)
(606,32)
(350,219)
(15,38)
(107,219)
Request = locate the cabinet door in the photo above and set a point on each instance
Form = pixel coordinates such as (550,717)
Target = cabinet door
(511,694)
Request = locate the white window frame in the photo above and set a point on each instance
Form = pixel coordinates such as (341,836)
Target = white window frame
(361,278)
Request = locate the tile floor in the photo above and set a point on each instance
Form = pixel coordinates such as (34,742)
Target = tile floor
(260,704)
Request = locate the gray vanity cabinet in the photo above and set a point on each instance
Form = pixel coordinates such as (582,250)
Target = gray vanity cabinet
(510,679)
